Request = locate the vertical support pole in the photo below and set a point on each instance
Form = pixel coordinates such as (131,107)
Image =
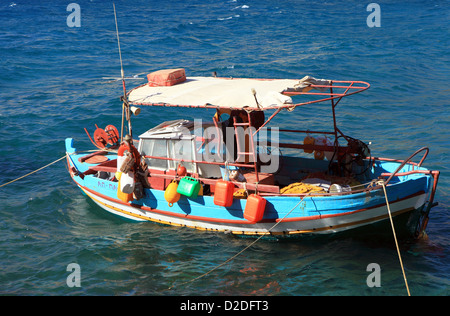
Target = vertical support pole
(334,114)
(336,143)
(220,137)
(252,143)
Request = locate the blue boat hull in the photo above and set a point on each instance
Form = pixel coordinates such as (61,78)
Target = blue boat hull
(283,215)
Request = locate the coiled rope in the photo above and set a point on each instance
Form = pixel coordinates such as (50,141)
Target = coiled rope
(240,252)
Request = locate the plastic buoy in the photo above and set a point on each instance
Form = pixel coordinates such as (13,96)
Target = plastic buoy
(319,155)
(308,140)
(181,170)
(171,195)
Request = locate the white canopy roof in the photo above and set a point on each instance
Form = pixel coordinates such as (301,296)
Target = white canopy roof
(223,92)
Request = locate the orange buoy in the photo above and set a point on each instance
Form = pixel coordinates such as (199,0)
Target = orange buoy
(308,140)
(181,170)
(171,195)
(319,155)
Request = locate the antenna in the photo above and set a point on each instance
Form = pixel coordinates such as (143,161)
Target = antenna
(125,105)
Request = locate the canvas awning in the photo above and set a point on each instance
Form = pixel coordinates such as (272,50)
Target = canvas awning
(225,92)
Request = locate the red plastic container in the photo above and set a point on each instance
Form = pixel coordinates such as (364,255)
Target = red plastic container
(223,193)
(166,77)
(254,209)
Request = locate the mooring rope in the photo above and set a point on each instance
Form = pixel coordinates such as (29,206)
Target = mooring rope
(240,252)
(47,165)
(395,237)
(33,171)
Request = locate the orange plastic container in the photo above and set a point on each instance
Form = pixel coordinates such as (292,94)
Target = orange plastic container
(254,209)
(223,193)
(308,140)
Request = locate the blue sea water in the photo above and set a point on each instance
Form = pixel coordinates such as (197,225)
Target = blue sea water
(51,87)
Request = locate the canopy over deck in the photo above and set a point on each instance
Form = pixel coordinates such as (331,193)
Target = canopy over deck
(234,93)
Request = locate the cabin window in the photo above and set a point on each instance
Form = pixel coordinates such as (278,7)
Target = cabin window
(157,148)
(181,149)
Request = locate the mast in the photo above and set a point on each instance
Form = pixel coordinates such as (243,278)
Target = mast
(125,104)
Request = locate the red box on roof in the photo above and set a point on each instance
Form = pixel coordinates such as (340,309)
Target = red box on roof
(166,77)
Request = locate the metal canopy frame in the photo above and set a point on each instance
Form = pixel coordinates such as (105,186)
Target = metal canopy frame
(346,88)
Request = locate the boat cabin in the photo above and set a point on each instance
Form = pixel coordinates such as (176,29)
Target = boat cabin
(172,143)
(220,150)
(205,149)
(237,145)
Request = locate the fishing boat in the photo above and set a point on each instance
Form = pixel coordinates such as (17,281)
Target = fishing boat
(236,173)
